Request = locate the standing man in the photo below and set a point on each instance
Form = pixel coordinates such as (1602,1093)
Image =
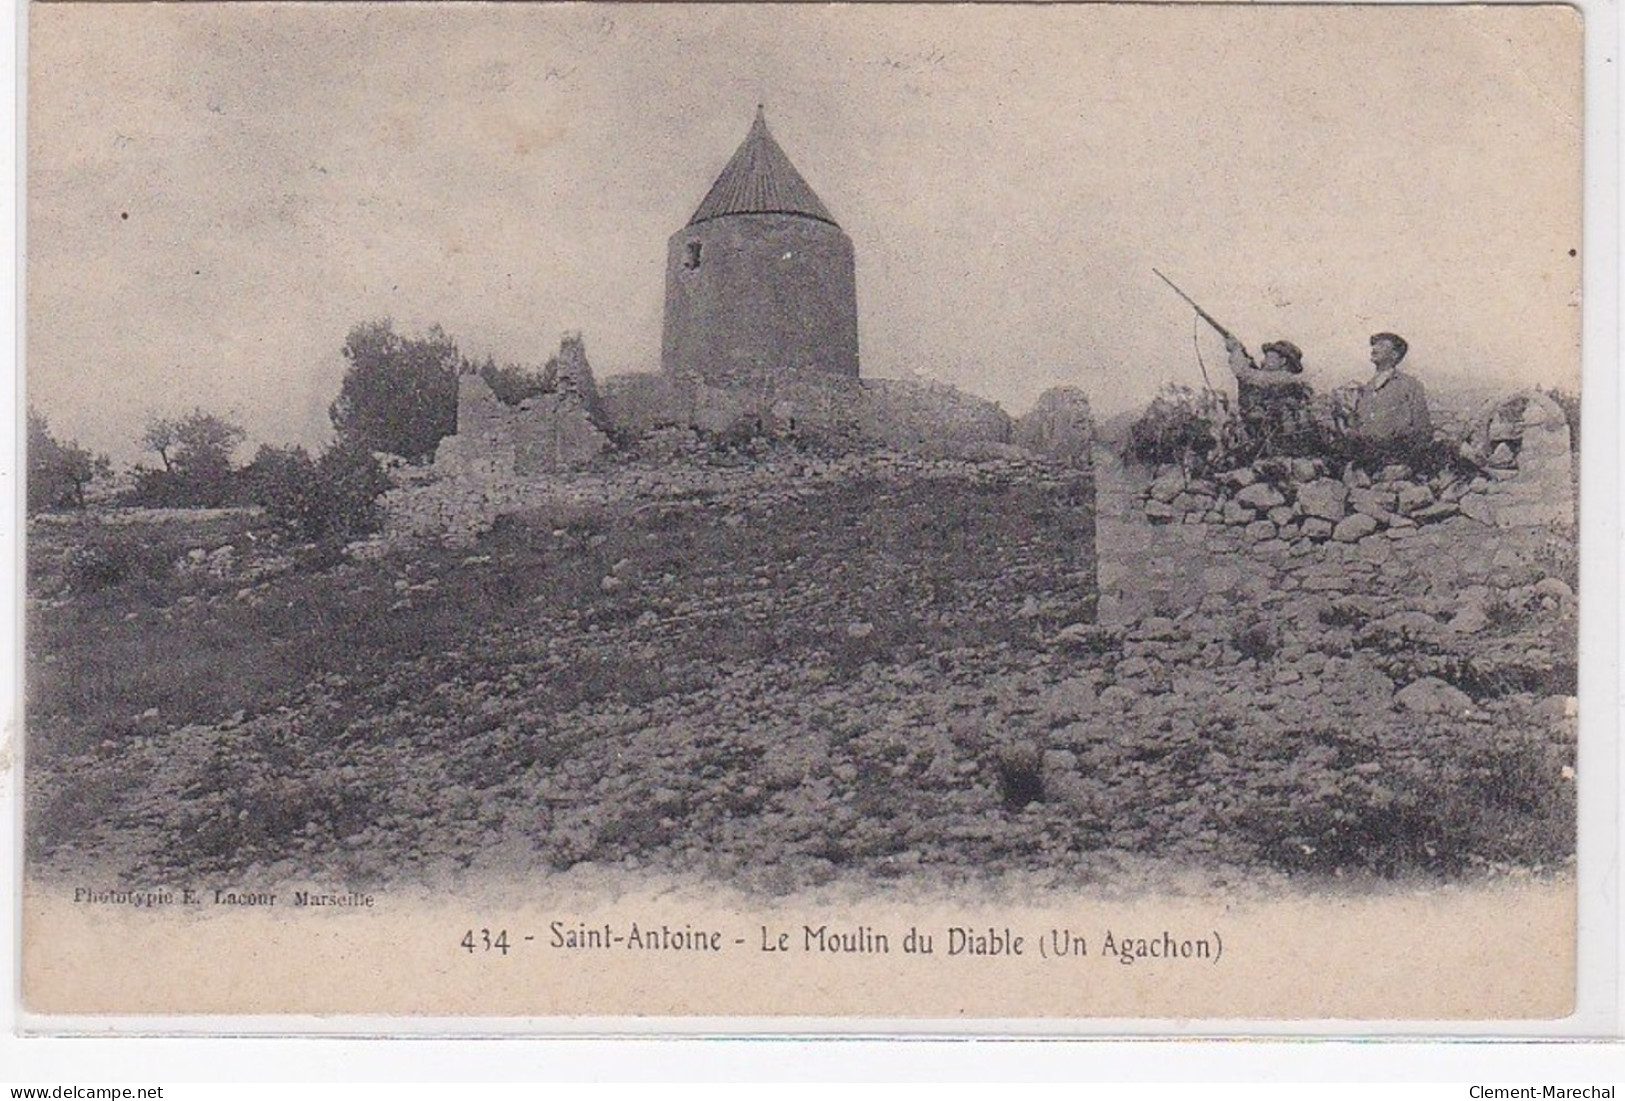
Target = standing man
(1390,412)
(1274,405)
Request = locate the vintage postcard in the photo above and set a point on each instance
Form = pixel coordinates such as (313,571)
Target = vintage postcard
(806,515)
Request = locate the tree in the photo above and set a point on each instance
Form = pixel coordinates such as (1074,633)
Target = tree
(333,498)
(399,394)
(58,473)
(513,383)
(197,450)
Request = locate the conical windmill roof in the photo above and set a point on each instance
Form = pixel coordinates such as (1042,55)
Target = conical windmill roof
(760,180)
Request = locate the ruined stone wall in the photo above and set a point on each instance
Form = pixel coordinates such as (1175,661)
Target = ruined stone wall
(930,418)
(505,458)
(484,444)
(635,405)
(1060,426)
(548,432)
(923,418)
(1281,525)
(1260,539)
(1524,442)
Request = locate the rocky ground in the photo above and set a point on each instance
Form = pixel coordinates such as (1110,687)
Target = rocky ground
(877,669)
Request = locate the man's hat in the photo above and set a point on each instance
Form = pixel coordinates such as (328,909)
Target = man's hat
(1396,340)
(1289,352)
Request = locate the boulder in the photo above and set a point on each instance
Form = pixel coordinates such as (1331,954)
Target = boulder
(1430,695)
(1413,498)
(1436,512)
(1069,699)
(1325,498)
(1354,528)
(1260,496)
(1167,487)
(1306,470)
(1475,507)
(1156,628)
(1372,502)
(1470,620)
(1555,587)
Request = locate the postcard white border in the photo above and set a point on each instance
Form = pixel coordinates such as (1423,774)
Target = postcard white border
(345,1047)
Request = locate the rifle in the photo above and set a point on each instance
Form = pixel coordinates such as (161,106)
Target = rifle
(1191,302)
(1205,316)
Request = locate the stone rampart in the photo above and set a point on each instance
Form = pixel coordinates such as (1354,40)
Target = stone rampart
(824,409)
(1255,538)
(1462,537)
(671,429)
(1518,472)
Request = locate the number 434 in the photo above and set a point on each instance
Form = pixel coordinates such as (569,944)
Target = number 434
(484,940)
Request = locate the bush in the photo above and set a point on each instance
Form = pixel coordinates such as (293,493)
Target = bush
(1433,801)
(98,558)
(58,473)
(95,566)
(196,451)
(330,499)
(513,383)
(1195,431)
(1425,458)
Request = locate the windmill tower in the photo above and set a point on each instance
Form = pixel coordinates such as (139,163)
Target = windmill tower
(760,282)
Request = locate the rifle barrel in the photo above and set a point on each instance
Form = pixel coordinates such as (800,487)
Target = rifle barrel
(1200,312)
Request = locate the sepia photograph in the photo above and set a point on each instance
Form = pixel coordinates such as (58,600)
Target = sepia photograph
(939,513)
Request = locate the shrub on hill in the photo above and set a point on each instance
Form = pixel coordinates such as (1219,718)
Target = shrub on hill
(1182,427)
(58,472)
(333,498)
(196,451)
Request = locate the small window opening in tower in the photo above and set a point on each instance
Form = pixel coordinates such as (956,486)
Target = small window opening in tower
(692,260)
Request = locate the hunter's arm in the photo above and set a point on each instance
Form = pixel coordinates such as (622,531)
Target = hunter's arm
(1242,366)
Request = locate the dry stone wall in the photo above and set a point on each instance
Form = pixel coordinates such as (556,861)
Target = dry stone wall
(1525,479)
(682,468)
(662,433)
(1453,574)
(1525,444)
(830,410)
(1463,546)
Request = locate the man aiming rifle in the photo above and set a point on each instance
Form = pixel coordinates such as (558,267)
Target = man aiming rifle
(1273,404)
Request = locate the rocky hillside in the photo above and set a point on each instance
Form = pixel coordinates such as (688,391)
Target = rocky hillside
(777,676)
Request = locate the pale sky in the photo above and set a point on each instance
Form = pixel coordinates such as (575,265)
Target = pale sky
(217,194)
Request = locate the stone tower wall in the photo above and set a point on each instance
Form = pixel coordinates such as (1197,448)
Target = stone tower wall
(770,292)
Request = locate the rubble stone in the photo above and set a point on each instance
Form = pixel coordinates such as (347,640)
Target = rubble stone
(1430,695)
(1324,498)
(1355,528)
(1260,496)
